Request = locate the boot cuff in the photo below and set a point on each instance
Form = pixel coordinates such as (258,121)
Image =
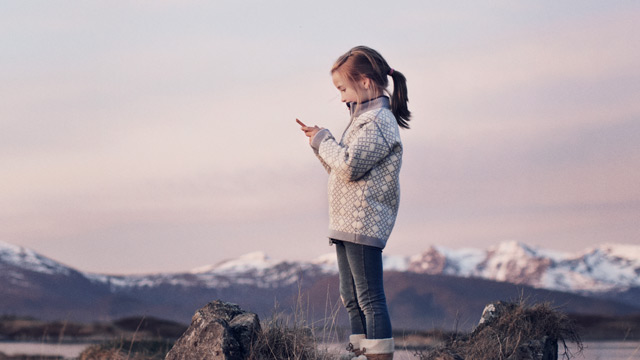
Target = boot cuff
(355,340)
(377,346)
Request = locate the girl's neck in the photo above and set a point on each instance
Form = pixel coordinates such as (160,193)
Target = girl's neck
(370,94)
(372,98)
(358,108)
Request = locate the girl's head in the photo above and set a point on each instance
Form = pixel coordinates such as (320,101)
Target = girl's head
(361,75)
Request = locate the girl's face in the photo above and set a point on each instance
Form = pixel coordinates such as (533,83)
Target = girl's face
(349,91)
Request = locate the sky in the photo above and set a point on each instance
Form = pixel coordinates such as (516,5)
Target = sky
(160,136)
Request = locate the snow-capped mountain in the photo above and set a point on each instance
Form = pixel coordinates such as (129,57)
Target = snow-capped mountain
(427,288)
(604,268)
(23,258)
(253,269)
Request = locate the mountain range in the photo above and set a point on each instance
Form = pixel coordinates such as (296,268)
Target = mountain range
(439,287)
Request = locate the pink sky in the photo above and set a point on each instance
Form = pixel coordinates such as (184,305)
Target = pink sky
(160,136)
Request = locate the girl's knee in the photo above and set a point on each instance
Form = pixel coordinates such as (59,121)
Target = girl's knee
(349,303)
(373,300)
(374,306)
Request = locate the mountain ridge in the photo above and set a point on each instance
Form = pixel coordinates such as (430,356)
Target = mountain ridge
(605,268)
(427,289)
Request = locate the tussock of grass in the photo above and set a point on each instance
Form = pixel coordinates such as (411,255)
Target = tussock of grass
(292,338)
(515,331)
(278,341)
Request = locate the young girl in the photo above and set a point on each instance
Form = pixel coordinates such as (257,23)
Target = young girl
(364,191)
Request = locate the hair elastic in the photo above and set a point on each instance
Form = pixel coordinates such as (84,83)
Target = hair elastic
(390,71)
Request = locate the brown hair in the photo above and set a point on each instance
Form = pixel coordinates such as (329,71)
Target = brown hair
(362,61)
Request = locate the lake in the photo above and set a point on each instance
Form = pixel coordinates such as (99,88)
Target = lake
(603,350)
(597,350)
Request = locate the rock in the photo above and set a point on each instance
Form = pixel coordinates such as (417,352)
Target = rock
(218,331)
(245,327)
(492,312)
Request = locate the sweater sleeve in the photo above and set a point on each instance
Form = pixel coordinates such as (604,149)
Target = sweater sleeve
(315,143)
(354,160)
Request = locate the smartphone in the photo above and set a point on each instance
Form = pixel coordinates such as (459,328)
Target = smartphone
(301,123)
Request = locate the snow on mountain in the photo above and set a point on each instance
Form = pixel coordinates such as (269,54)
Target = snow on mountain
(394,262)
(608,267)
(604,268)
(253,261)
(613,263)
(441,260)
(512,262)
(27,259)
(328,263)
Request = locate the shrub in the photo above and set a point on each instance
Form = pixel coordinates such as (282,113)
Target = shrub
(518,329)
(283,338)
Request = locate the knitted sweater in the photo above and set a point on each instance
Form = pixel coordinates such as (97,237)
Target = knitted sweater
(364,190)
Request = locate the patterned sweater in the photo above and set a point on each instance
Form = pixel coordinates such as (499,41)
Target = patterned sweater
(364,190)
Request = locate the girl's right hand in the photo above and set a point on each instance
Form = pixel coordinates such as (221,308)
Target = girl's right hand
(309,131)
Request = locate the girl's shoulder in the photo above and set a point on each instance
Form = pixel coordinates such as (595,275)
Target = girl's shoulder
(382,116)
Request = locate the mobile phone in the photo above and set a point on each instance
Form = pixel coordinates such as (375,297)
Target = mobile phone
(300,122)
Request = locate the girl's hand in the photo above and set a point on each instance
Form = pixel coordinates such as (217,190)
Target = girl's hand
(309,131)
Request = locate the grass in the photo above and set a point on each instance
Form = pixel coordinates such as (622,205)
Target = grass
(519,329)
(284,336)
(280,340)
(291,337)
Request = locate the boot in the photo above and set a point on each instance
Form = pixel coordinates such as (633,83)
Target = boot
(354,347)
(377,349)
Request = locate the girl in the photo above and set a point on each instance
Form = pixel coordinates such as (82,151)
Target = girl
(364,191)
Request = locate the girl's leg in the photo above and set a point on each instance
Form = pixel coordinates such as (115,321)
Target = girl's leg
(365,264)
(348,291)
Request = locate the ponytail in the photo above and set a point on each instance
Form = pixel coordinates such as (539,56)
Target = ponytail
(399,99)
(364,61)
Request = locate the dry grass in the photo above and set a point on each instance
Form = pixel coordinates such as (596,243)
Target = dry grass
(281,337)
(293,338)
(279,340)
(519,327)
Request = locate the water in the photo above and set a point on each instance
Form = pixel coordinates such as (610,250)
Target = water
(596,350)
(612,350)
(627,350)
(68,351)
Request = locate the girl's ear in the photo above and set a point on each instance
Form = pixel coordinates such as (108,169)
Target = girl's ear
(366,82)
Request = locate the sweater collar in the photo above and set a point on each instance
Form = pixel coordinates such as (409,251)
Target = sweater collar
(377,103)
